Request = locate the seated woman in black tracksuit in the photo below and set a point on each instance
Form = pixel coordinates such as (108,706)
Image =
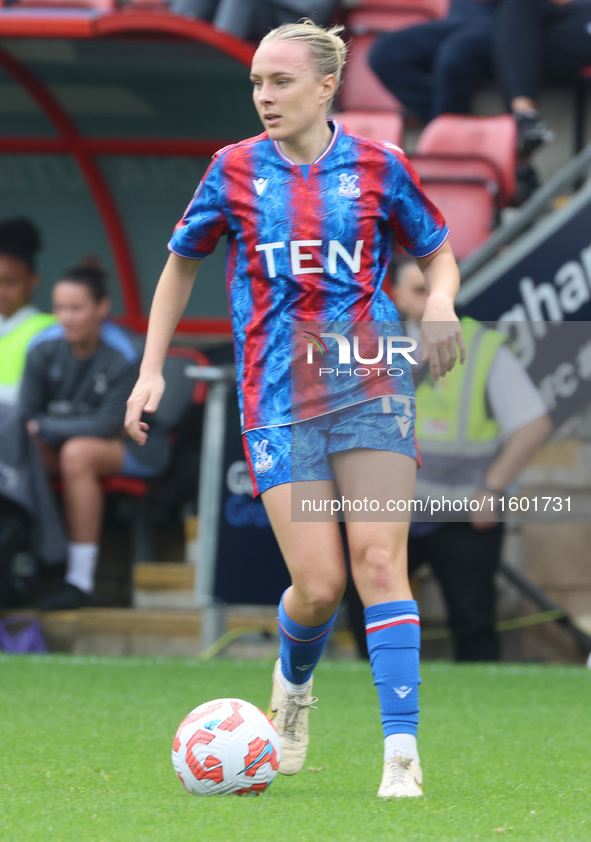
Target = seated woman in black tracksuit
(78,376)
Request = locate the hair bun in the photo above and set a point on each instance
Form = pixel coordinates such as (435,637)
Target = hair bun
(90,274)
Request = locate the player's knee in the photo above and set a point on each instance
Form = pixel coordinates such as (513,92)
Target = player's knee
(74,456)
(377,564)
(321,597)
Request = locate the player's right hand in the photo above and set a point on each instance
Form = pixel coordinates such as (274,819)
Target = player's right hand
(145,397)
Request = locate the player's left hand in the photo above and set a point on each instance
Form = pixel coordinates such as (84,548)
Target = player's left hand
(441,336)
(145,397)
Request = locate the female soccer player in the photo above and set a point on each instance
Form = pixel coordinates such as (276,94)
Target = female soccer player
(309,209)
(77,377)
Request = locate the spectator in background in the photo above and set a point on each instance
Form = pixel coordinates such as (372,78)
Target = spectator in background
(77,378)
(433,68)
(476,430)
(539,39)
(20,320)
(504,424)
(251,19)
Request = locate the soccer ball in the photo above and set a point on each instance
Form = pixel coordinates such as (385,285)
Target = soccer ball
(226,746)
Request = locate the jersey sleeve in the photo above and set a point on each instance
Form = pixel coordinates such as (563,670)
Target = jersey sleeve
(204,221)
(418,225)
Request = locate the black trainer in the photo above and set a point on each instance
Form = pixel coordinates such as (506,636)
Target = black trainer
(531,133)
(66,599)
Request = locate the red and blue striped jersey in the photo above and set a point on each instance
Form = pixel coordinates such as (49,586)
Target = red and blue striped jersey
(304,244)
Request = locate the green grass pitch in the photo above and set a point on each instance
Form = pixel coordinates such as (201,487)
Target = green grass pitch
(85,748)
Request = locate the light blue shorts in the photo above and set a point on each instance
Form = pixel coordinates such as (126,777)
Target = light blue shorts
(301,452)
(132,467)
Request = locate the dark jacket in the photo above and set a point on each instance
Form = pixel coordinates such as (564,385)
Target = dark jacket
(69,396)
(23,481)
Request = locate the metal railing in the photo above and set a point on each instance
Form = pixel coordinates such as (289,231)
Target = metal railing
(220,380)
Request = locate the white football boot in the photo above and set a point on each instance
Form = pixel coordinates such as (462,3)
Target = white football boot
(402,778)
(289,714)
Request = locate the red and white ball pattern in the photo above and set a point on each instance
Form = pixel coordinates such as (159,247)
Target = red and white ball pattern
(226,746)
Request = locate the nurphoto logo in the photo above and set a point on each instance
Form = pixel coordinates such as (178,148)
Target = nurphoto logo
(388,348)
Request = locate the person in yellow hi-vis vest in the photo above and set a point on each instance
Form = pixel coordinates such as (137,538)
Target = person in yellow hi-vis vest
(20,320)
(477,428)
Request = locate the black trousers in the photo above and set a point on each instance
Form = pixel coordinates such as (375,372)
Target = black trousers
(464,561)
(434,68)
(538,40)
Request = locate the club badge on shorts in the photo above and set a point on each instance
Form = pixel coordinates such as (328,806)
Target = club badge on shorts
(263,460)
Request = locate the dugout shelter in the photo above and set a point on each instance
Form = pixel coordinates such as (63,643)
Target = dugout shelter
(108,119)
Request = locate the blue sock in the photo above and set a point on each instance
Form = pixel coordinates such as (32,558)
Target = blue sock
(300,647)
(394,641)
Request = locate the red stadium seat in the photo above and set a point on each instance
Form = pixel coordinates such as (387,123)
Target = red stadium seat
(467,168)
(361,89)
(373,21)
(468,205)
(386,15)
(102,6)
(471,146)
(377,125)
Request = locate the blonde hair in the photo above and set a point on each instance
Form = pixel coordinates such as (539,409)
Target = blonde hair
(329,51)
